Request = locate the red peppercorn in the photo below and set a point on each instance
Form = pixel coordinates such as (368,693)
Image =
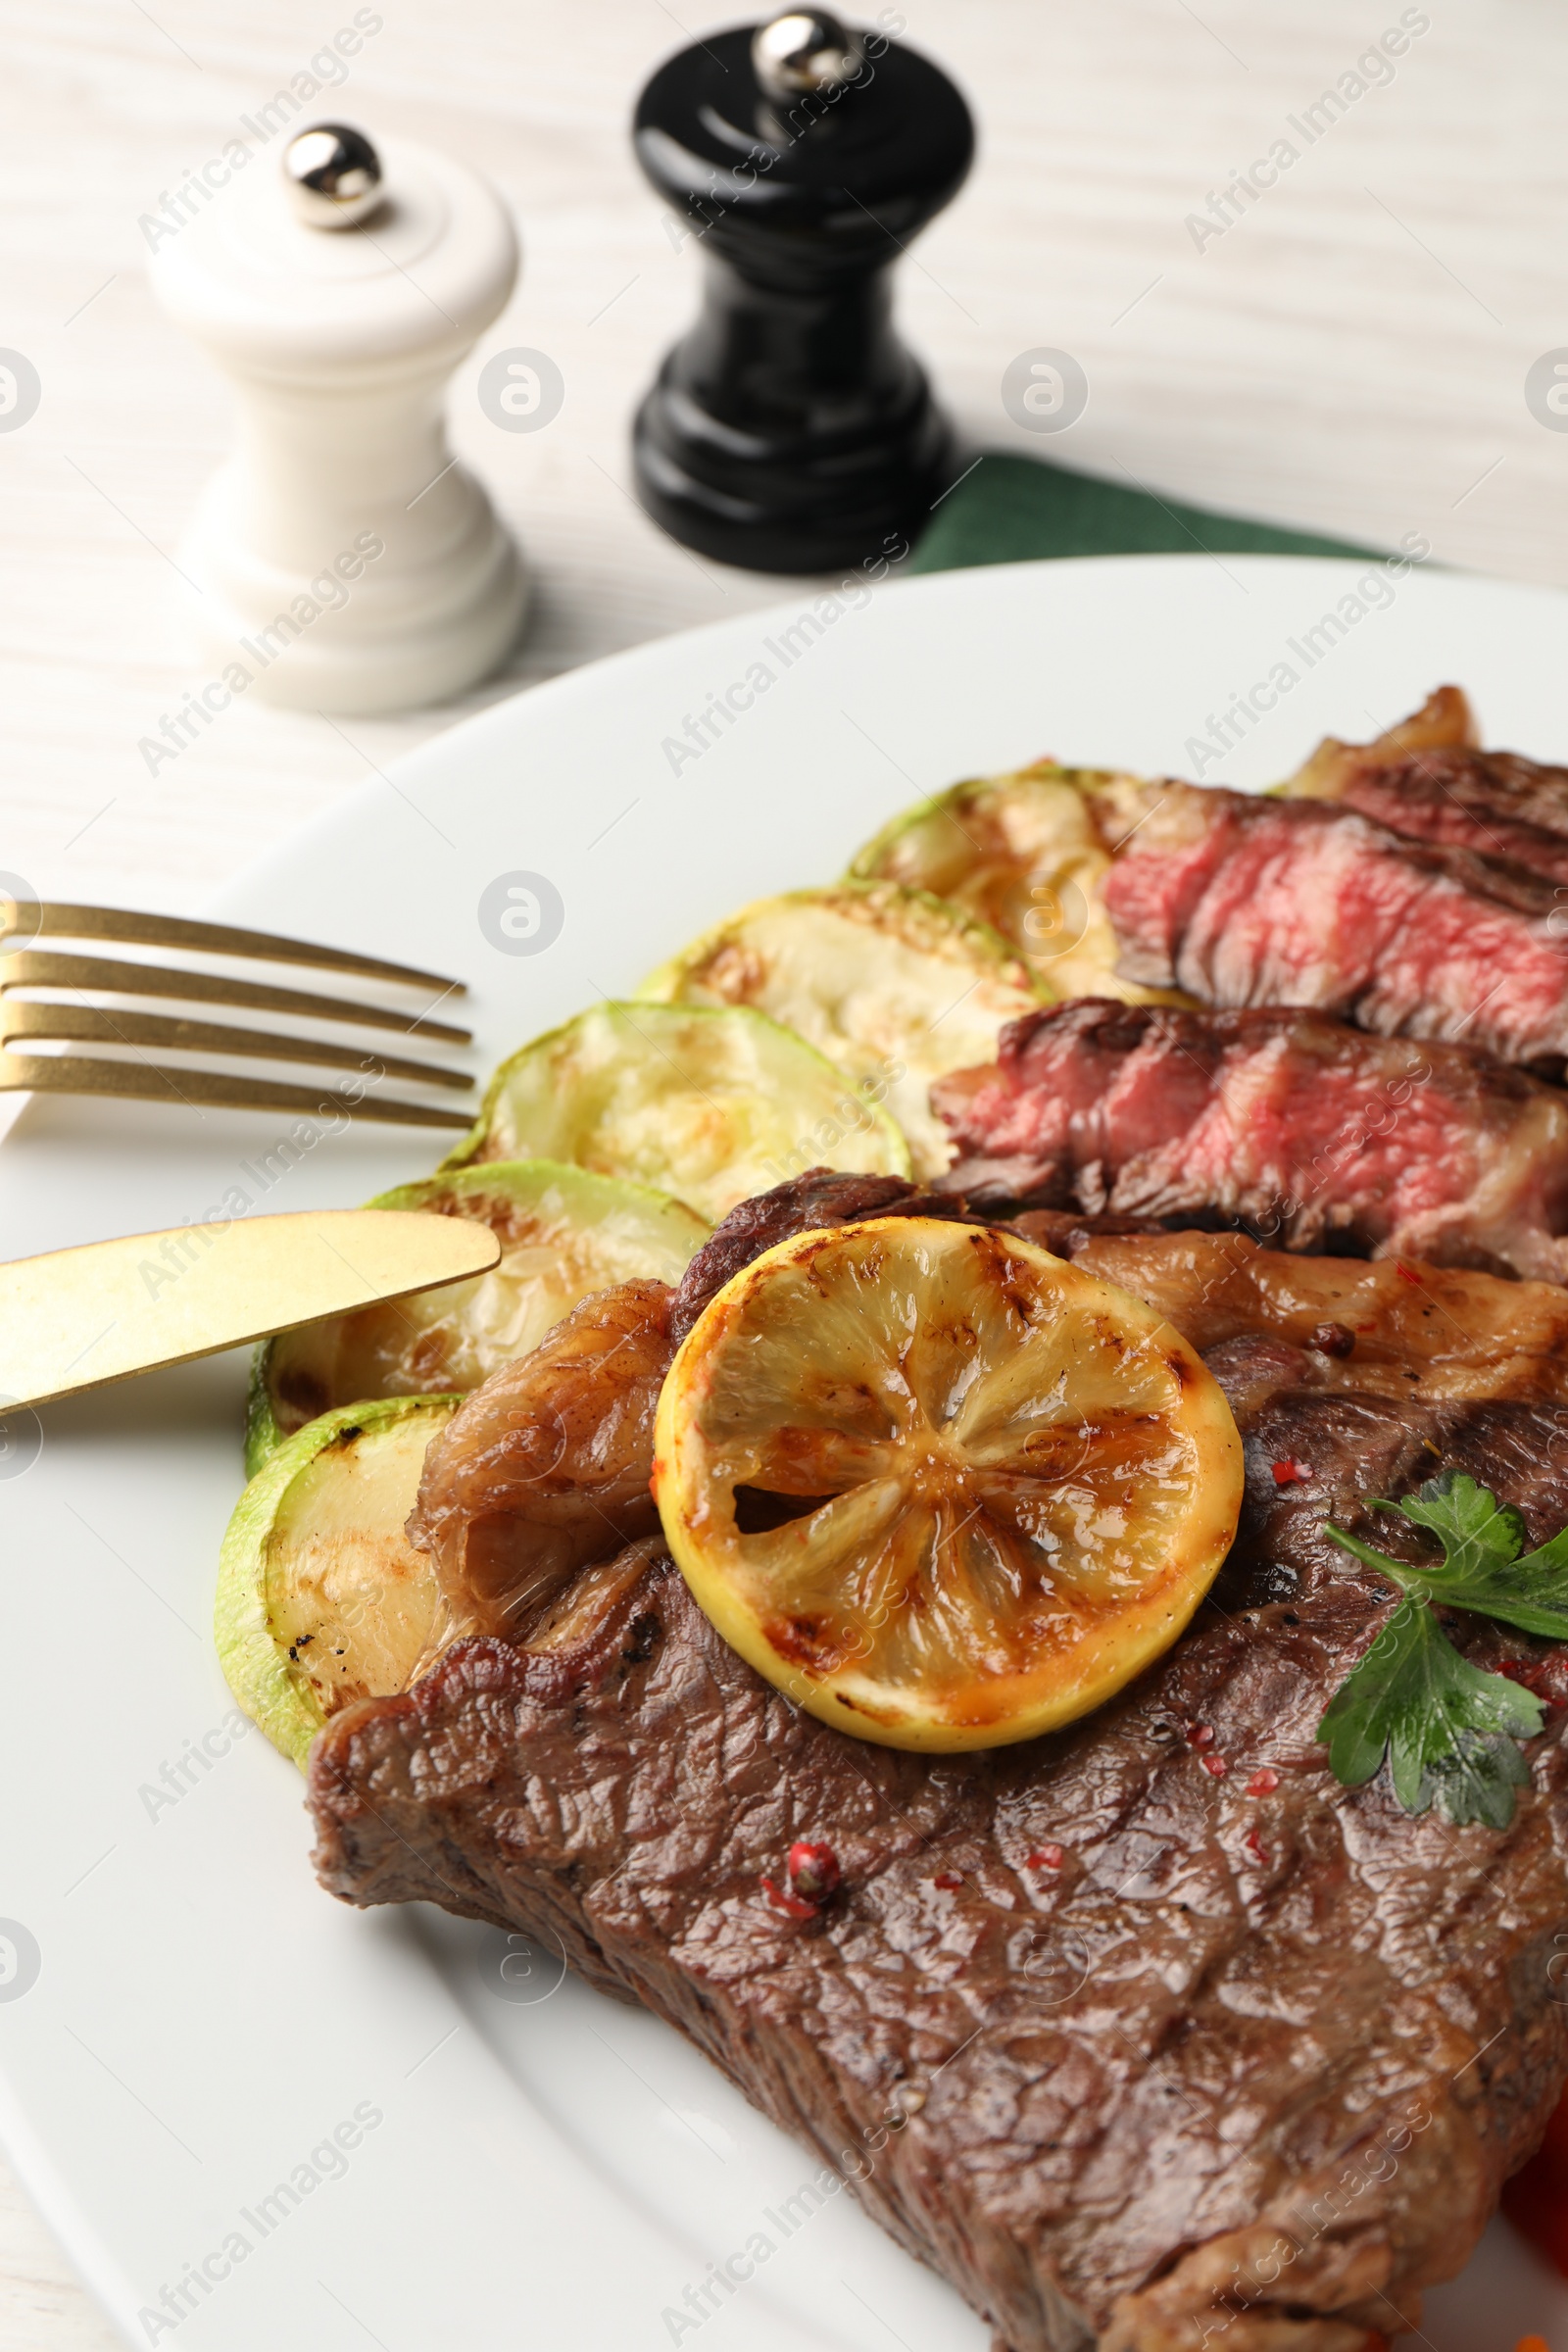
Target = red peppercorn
(1201,1734)
(1264,1781)
(1255,1847)
(1290,1474)
(1214,1764)
(946,1880)
(814,1871)
(811,1878)
(1046,1857)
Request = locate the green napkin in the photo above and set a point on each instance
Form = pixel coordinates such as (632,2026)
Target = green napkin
(1011,510)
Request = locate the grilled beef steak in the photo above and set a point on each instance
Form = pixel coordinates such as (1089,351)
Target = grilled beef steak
(1248,902)
(1148,2036)
(1285,1120)
(1145,2036)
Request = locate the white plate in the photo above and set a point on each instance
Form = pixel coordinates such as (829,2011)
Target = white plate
(556,2173)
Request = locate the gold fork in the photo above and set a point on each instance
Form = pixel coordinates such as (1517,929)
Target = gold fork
(73,1014)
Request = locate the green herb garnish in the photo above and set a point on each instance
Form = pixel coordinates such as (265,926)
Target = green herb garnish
(1447,1729)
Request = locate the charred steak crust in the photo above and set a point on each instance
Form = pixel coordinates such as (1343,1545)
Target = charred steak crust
(801,1204)
(1497,804)
(806,1203)
(1122,2047)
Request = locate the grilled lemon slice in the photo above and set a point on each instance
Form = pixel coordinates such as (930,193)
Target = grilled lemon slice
(709,1106)
(943,1490)
(322,1598)
(1028,854)
(893,985)
(564,1234)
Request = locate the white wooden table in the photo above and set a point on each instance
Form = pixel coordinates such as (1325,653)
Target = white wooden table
(1350,354)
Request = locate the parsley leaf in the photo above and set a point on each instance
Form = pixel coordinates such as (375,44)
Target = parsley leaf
(1484,1566)
(1446,1727)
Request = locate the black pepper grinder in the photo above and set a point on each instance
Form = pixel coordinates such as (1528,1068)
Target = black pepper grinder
(791,431)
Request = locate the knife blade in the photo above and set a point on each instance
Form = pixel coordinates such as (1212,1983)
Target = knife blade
(76,1320)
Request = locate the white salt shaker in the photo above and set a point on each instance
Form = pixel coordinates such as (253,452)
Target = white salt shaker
(342,556)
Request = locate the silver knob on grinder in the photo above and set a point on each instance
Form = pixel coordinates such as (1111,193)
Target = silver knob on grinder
(333,175)
(805,53)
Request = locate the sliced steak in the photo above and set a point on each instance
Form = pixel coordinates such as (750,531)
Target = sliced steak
(1428,779)
(1145,2036)
(1494,802)
(1285,1121)
(1242,901)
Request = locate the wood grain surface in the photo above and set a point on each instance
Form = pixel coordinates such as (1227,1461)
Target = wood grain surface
(1350,354)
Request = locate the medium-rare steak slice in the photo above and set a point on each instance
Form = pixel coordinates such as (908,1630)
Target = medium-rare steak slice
(1149,2035)
(1246,901)
(1287,1122)
(1497,804)
(1428,779)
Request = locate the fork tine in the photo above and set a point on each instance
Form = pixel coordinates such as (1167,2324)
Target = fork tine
(35,968)
(74,1074)
(57,918)
(92,1024)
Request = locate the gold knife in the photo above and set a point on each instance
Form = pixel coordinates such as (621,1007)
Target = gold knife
(75,1319)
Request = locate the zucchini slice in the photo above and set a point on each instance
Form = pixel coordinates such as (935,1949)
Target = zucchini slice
(1028,853)
(896,986)
(711,1104)
(564,1233)
(322,1598)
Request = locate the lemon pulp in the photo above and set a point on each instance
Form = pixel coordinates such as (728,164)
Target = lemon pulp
(943,1488)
